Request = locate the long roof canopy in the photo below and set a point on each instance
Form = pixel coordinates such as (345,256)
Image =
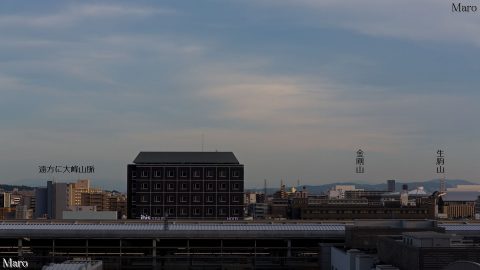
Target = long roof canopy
(186,158)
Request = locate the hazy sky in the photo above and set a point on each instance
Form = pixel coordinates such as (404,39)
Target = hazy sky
(292,87)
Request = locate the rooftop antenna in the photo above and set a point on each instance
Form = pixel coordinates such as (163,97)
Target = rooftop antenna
(265,187)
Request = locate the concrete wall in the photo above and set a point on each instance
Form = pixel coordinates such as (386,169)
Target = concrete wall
(90,215)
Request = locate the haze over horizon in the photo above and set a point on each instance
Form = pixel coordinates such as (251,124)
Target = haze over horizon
(293,88)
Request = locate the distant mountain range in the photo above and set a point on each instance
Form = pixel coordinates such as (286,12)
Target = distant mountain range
(9,188)
(429,186)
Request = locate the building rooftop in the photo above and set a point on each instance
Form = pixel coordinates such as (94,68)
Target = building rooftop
(158,229)
(137,228)
(426,235)
(186,158)
(461,196)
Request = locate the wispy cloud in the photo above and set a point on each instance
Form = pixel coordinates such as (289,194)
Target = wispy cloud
(430,20)
(80,13)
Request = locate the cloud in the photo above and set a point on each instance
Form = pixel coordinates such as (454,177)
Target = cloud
(430,20)
(259,98)
(9,82)
(78,13)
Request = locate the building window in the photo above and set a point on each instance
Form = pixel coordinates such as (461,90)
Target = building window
(134,174)
(209,198)
(209,173)
(145,211)
(235,173)
(196,198)
(223,186)
(236,186)
(196,186)
(196,211)
(134,186)
(171,199)
(221,173)
(143,198)
(157,186)
(171,186)
(144,185)
(235,199)
(157,199)
(235,212)
(157,173)
(183,199)
(158,211)
(221,211)
(144,173)
(184,186)
(221,198)
(196,173)
(170,173)
(210,186)
(209,211)
(183,173)
(183,211)
(171,211)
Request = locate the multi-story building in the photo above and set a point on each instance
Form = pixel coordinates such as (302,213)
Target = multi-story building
(338,192)
(98,199)
(23,212)
(428,250)
(51,201)
(391,185)
(118,202)
(5,201)
(362,209)
(460,204)
(185,185)
(76,189)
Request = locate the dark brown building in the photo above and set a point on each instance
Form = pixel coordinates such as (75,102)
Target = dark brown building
(365,212)
(185,185)
(118,203)
(98,199)
(363,209)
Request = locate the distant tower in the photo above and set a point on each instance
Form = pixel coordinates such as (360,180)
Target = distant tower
(391,185)
(443,184)
(265,189)
(404,198)
(283,192)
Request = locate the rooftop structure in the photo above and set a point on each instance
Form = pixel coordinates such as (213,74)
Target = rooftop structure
(186,158)
(461,196)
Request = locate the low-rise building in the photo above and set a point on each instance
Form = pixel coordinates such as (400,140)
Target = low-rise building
(426,250)
(460,204)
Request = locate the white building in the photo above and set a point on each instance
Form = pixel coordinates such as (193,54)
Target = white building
(465,188)
(338,192)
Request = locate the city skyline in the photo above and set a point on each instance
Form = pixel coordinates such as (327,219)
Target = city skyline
(293,88)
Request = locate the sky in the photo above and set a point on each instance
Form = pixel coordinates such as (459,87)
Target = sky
(292,87)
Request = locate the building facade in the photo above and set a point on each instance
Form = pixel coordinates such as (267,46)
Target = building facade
(98,199)
(185,185)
